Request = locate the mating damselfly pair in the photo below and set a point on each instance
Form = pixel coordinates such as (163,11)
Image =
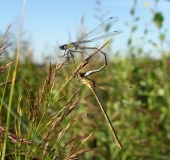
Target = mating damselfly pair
(73,47)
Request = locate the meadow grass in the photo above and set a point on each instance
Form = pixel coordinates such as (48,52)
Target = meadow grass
(43,127)
(63,129)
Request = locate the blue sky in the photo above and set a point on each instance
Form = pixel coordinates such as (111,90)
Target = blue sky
(48,24)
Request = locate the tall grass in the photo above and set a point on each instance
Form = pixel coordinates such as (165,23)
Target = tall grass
(62,130)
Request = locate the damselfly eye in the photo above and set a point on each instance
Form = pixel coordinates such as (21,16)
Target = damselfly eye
(62,47)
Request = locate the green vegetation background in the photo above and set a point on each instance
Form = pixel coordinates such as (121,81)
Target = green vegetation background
(143,126)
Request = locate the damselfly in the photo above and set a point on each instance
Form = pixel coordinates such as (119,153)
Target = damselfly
(98,96)
(76,46)
(91,85)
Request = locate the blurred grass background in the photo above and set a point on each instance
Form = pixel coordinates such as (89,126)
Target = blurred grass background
(142,127)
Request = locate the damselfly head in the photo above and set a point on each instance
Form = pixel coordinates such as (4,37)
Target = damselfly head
(63,47)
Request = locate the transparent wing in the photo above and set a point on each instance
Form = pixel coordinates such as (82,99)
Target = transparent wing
(102,27)
(95,114)
(115,95)
(102,36)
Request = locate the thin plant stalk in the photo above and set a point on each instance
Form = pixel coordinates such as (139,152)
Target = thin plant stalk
(13,81)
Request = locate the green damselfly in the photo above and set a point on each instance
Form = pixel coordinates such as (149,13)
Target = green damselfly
(97,92)
(73,47)
(91,85)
